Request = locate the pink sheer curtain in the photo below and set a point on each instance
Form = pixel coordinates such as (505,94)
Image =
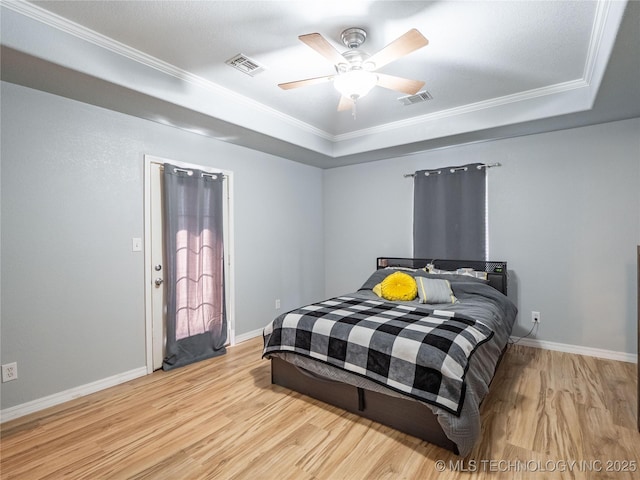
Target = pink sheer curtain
(199,292)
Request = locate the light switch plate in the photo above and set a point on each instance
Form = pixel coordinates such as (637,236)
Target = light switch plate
(136,245)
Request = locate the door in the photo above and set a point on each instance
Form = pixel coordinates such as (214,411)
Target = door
(155,258)
(158,305)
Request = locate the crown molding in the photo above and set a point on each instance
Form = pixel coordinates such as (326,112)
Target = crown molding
(602,35)
(603,9)
(60,23)
(469,108)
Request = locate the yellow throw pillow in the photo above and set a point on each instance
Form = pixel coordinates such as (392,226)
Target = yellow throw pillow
(378,289)
(399,286)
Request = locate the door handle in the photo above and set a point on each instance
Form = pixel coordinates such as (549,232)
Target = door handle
(158,281)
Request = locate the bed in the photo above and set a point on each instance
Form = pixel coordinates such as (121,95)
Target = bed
(421,368)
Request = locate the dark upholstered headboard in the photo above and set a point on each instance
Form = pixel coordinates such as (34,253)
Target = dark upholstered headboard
(496,271)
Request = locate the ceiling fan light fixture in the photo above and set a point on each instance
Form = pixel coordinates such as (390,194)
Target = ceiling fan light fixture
(355,68)
(355,84)
(368,66)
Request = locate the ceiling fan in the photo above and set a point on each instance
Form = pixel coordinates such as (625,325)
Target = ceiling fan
(355,68)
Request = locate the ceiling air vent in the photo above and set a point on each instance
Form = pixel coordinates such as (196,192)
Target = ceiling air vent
(417,98)
(245,64)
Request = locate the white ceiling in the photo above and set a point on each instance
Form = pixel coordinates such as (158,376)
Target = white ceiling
(489,65)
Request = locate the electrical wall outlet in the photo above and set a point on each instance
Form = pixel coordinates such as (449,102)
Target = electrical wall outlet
(277,303)
(9,372)
(535,317)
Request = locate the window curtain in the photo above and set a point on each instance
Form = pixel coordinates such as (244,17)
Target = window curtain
(196,322)
(449,213)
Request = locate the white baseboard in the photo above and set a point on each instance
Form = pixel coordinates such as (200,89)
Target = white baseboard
(527,342)
(33,406)
(588,351)
(23,409)
(248,335)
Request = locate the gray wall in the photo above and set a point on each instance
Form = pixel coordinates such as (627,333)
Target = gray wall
(563,212)
(72,199)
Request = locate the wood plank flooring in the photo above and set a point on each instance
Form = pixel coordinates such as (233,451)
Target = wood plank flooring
(222,419)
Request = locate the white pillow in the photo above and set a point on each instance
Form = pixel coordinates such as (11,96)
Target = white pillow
(435,290)
(469,272)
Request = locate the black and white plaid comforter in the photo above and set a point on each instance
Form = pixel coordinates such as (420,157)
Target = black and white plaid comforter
(418,352)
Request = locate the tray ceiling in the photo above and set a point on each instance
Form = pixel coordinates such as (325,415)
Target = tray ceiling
(488,65)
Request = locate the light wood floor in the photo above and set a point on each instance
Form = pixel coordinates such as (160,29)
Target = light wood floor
(223,419)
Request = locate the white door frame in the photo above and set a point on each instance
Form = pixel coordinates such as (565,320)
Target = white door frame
(228,239)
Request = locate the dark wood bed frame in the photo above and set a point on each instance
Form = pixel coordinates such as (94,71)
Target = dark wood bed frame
(407,416)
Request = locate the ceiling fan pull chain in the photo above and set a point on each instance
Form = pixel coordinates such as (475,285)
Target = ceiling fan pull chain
(353,109)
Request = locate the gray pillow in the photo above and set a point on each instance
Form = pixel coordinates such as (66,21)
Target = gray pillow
(434,290)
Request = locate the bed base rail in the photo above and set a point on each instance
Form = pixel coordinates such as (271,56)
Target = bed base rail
(407,416)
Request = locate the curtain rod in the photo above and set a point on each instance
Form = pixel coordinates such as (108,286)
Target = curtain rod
(454,169)
(203,174)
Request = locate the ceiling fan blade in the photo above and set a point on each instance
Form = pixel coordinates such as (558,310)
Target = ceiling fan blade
(306,82)
(401,46)
(345,104)
(399,84)
(323,47)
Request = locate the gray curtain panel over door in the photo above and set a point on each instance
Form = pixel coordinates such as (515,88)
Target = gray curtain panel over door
(193,235)
(449,213)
